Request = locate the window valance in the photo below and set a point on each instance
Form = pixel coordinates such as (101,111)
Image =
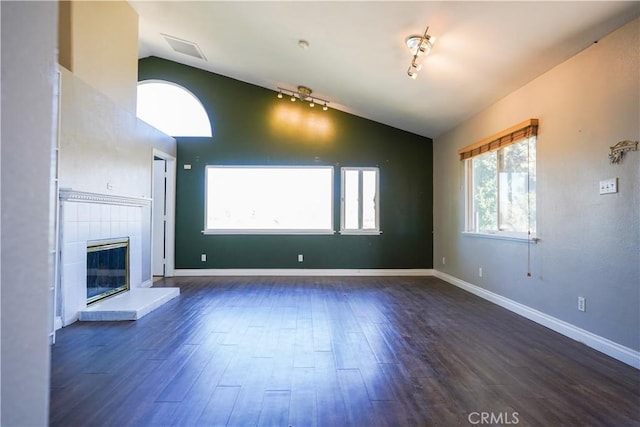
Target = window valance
(509,136)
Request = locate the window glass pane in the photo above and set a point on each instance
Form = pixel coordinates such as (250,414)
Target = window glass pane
(351,202)
(369,184)
(269,198)
(485,191)
(501,190)
(517,204)
(532,185)
(172,109)
(512,188)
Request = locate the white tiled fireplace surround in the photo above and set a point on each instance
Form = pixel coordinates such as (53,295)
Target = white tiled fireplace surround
(89,216)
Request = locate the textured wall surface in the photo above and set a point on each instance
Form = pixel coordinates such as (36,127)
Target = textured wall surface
(253,127)
(106,149)
(590,243)
(28,120)
(99,44)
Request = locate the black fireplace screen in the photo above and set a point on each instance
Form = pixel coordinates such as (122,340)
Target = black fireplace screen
(107,268)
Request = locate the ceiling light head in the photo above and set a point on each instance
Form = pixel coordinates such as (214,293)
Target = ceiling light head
(312,104)
(420,45)
(324,107)
(293,98)
(280,95)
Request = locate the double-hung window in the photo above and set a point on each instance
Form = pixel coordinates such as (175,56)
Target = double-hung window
(500,176)
(360,212)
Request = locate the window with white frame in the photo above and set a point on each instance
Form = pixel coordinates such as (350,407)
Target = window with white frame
(360,213)
(269,200)
(172,109)
(501,183)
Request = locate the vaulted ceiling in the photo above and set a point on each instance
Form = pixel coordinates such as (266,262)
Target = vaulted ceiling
(357,57)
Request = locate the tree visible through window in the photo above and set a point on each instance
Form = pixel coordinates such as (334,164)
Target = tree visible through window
(502,184)
(172,109)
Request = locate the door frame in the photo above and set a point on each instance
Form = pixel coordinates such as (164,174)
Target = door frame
(170,200)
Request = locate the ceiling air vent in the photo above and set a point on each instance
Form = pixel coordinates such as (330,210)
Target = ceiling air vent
(185,47)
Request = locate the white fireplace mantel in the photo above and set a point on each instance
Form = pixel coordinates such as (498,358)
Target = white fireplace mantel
(70,195)
(84,217)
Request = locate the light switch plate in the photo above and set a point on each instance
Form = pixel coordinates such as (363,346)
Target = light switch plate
(609,186)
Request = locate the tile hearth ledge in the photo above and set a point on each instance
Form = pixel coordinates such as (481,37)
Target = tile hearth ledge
(129,305)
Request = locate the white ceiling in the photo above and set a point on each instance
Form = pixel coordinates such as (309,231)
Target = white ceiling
(357,57)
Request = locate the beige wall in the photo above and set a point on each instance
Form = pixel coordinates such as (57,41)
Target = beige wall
(98,42)
(26,150)
(589,242)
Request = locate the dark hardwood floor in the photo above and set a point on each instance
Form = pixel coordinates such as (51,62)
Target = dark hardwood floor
(357,351)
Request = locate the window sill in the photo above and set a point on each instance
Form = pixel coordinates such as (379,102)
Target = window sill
(269,232)
(360,232)
(512,237)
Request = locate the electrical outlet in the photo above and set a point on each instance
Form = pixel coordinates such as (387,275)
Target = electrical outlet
(582,304)
(203,257)
(300,257)
(480,272)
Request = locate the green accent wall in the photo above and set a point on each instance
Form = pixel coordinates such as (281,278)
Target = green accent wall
(251,126)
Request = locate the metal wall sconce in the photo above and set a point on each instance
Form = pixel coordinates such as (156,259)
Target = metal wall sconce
(617,151)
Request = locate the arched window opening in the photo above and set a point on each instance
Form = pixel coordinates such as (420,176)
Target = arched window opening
(172,109)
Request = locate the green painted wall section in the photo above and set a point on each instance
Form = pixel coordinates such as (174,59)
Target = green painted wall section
(251,126)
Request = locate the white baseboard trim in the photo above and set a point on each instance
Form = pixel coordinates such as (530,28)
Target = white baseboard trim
(301,272)
(624,354)
(146,284)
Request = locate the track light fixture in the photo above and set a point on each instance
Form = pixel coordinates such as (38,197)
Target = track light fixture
(303,94)
(420,47)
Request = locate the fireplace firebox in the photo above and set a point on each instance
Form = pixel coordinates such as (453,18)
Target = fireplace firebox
(107,268)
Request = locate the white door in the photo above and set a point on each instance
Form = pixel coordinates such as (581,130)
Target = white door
(159,216)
